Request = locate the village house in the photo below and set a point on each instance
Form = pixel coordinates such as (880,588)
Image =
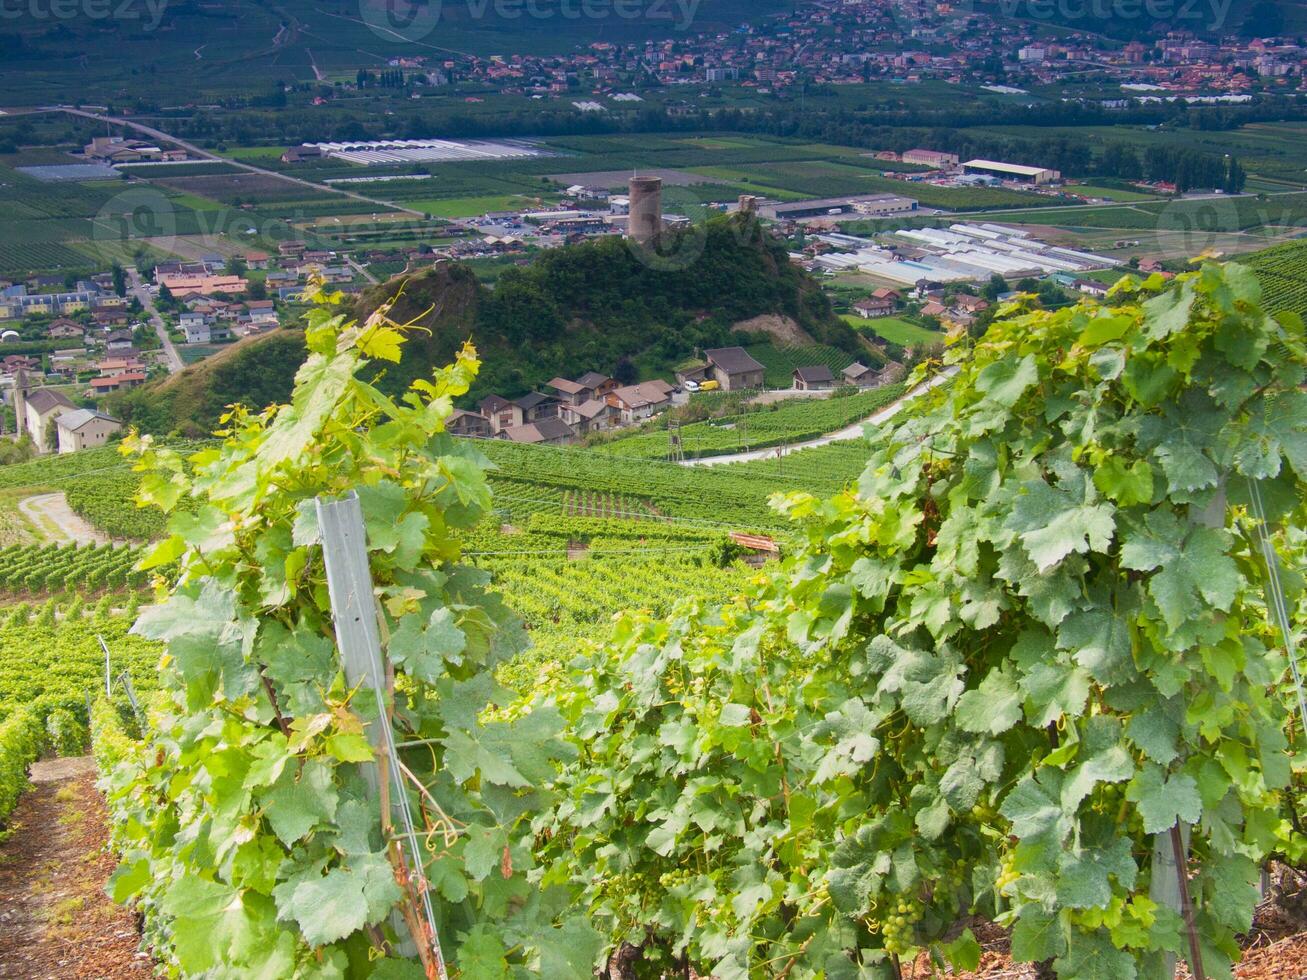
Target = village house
(195,326)
(872,308)
(1091,288)
(470,424)
(41,407)
(500,412)
(590,385)
(536,406)
(967,303)
(818,377)
(119,340)
(859,374)
(934,308)
(595,415)
(85,429)
(65,329)
(546,432)
(734,369)
(122,381)
(640,401)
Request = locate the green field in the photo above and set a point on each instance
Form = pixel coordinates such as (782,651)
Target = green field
(896,330)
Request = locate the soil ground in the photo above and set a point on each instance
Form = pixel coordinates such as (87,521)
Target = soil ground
(56,922)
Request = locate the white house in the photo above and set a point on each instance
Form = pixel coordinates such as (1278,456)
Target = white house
(85,428)
(196,328)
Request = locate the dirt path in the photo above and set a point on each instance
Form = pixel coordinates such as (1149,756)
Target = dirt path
(56,923)
(55,520)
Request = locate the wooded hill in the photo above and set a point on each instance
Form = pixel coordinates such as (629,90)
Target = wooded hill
(599,305)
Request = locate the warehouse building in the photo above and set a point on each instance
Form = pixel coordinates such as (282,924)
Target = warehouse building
(1012,171)
(871,205)
(931,158)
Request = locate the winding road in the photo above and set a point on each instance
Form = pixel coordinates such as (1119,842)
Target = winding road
(854,431)
(54,520)
(137,289)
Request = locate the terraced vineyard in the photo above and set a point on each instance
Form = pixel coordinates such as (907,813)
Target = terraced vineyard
(567,577)
(777,425)
(781,362)
(36,569)
(1282,271)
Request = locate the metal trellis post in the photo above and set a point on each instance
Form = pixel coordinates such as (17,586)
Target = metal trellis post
(358,637)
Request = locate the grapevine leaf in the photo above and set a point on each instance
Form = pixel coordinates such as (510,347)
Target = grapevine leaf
(212,924)
(1181,439)
(1036,936)
(482,850)
(569,951)
(300,662)
(1126,485)
(344,900)
(483,954)
(319,385)
(1168,312)
(1163,800)
(961,784)
(1230,891)
(1189,569)
(1155,732)
(1083,874)
(467,753)
(426,651)
(1091,956)
(1055,690)
(934,819)
(993,707)
(300,800)
(1055,522)
(964,952)
(1005,381)
(1099,640)
(128,880)
(734,716)
(1034,807)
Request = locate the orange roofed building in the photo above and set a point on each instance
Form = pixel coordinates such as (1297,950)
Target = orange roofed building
(183,285)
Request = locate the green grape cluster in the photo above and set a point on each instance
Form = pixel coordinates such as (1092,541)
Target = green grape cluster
(1008,874)
(898,927)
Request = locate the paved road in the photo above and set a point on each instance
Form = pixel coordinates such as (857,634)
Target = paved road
(158,134)
(854,431)
(137,289)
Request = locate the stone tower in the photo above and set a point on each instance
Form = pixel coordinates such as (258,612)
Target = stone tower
(646,220)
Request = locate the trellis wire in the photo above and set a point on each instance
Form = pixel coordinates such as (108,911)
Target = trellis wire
(1275,600)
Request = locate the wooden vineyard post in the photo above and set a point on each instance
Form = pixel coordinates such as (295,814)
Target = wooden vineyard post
(358,637)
